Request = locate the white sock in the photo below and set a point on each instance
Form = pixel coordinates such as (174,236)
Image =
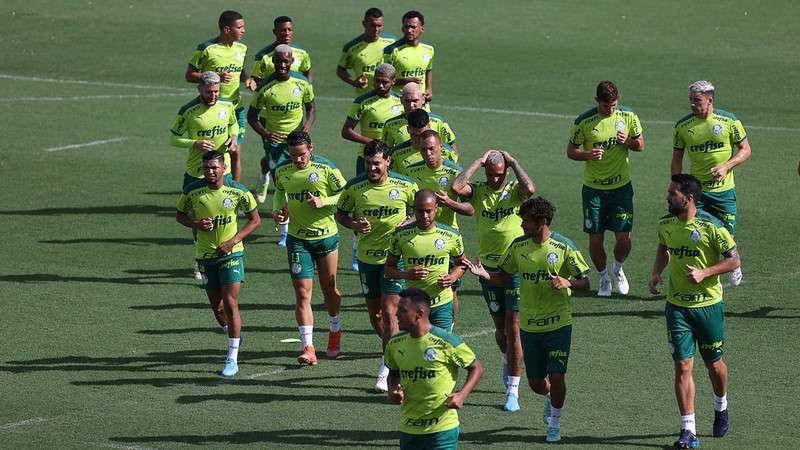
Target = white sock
(383,371)
(334,323)
(720,403)
(233,349)
(604,273)
(616,266)
(555,417)
(513,386)
(687,423)
(306,334)
(284,229)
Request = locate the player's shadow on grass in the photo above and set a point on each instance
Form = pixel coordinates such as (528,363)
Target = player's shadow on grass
(318,438)
(246,328)
(116,209)
(764,312)
(34,278)
(143,241)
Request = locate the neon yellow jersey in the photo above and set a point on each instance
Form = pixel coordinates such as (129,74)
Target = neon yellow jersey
(385,205)
(710,142)
(221,205)
(319,177)
(542,308)
(214,56)
(199,121)
(700,242)
(438,180)
(263,66)
(592,130)
(395,131)
(404,155)
(371,111)
(281,104)
(497,216)
(428,368)
(409,61)
(432,250)
(363,57)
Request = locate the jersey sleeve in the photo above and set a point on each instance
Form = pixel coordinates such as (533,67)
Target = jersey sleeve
(723,241)
(256,102)
(677,140)
(388,57)
(258,68)
(661,238)
(461,355)
(184,204)
(388,357)
(447,134)
(233,123)
(430,61)
(737,132)
(178,127)
(634,126)
(509,262)
(305,63)
(410,193)
(576,265)
(247,202)
(336,181)
(576,137)
(394,246)
(355,111)
(308,95)
(197,59)
(458,247)
(346,201)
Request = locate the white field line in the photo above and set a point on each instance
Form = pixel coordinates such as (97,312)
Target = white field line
(22,423)
(89,97)
(477,333)
(512,112)
(266,374)
(120,446)
(86,144)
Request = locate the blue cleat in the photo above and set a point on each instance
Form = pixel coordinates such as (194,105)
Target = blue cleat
(553,434)
(687,439)
(547,410)
(512,403)
(354,260)
(720,423)
(282,242)
(231,368)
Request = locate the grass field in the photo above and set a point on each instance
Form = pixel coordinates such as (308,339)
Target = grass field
(108,343)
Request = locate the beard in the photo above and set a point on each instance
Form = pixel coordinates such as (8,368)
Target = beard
(677,209)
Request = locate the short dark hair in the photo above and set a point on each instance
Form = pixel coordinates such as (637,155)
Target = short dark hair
(298,137)
(375,147)
(212,155)
(607,91)
(428,134)
(279,20)
(688,185)
(417,296)
(418,118)
(227,18)
(414,14)
(424,193)
(374,13)
(538,207)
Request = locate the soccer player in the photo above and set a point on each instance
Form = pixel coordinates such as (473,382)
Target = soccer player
(412,58)
(698,248)
(373,205)
(395,130)
(225,55)
(283,103)
(307,188)
(549,266)
(710,135)
(496,202)
(264,66)
(602,137)
(424,248)
(363,54)
(205,124)
(408,152)
(424,362)
(219,251)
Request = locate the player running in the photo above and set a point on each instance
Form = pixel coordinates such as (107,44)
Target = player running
(409,152)
(264,66)
(363,54)
(412,58)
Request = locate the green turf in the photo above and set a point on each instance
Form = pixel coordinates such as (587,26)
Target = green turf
(108,343)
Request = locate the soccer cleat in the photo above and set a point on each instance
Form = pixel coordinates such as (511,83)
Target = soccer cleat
(720,423)
(382,383)
(231,368)
(308,357)
(553,434)
(547,410)
(334,337)
(196,274)
(621,282)
(354,260)
(687,439)
(282,242)
(261,195)
(605,287)
(512,403)
(736,276)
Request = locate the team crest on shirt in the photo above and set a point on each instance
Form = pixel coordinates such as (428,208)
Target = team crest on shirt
(396,109)
(717,129)
(394,194)
(426,57)
(551,258)
(296,268)
(504,195)
(444,181)
(227,203)
(222,114)
(620,125)
(239,56)
(313,177)
(296,61)
(429,355)
(439,243)
(695,236)
(296,92)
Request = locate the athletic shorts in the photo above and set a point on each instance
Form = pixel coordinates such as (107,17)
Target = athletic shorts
(218,272)
(188,179)
(442,316)
(360,165)
(721,205)
(499,299)
(275,154)
(607,209)
(302,253)
(442,440)
(374,283)
(685,326)
(546,352)
(242,120)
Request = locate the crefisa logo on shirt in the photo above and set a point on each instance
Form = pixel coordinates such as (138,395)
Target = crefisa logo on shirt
(717,129)
(313,177)
(443,181)
(439,243)
(429,355)
(695,236)
(394,194)
(227,203)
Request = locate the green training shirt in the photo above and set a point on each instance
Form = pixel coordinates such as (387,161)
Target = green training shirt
(497,216)
(395,131)
(404,155)
(439,179)
(363,57)
(281,104)
(214,56)
(263,66)
(371,111)
(409,61)
(198,121)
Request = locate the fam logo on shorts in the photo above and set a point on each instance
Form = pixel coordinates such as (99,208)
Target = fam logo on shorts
(429,355)
(717,129)
(551,258)
(444,181)
(296,268)
(394,194)
(620,125)
(296,92)
(227,203)
(222,114)
(439,243)
(694,236)
(588,223)
(313,177)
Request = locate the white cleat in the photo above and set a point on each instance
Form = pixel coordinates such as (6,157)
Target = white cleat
(605,287)
(736,276)
(381,384)
(261,195)
(621,282)
(196,272)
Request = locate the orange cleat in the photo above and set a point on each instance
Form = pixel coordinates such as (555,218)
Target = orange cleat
(334,337)
(308,357)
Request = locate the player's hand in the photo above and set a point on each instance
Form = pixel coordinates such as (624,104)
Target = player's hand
(280,216)
(622,138)
(596,154)
(314,201)
(275,138)
(507,156)
(486,156)
(204,145)
(361,225)
(477,268)
(655,280)
(455,400)
(428,95)
(226,76)
(396,396)
(204,224)
(558,282)
(445,281)
(250,83)
(719,172)
(360,82)
(225,247)
(695,275)
(233,144)
(416,273)
(442,199)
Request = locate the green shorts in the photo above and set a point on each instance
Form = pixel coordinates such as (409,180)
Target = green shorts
(685,326)
(241,119)
(218,272)
(499,299)
(360,165)
(302,253)
(442,440)
(374,283)
(721,205)
(442,316)
(546,352)
(610,209)
(188,179)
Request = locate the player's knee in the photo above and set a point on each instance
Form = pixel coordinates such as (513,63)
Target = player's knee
(684,366)
(539,385)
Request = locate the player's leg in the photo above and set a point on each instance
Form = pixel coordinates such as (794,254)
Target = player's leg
(594,223)
(236,164)
(682,342)
(230,296)
(326,264)
(621,223)
(535,359)
(455,287)
(513,354)
(360,169)
(711,340)
(389,304)
(301,268)
(196,270)
(557,345)
(442,316)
